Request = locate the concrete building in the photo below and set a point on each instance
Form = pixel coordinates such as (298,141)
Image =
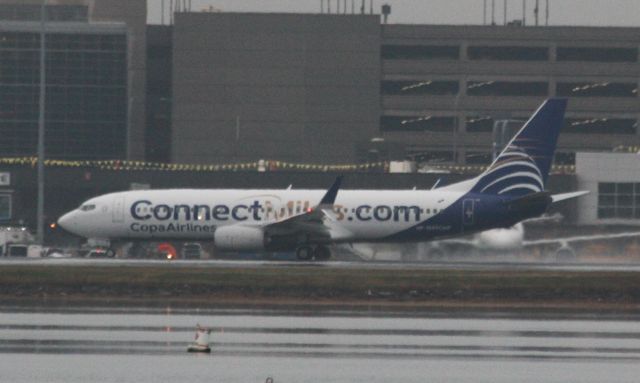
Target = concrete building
(332,88)
(320,88)
(95,78)
(292,87)
(613,180)
(443,87)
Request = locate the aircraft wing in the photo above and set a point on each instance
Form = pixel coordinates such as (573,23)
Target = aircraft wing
(318,222)
(580,238)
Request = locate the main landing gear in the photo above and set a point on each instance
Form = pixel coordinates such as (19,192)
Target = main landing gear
(318,253)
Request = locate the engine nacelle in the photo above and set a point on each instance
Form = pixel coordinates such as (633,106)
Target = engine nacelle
(239,238)
(510,239)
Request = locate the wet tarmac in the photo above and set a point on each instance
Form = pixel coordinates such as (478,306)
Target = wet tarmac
(514,265)
(95,344)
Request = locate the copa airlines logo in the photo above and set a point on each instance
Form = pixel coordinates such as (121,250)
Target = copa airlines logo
(513,173)
(162,217)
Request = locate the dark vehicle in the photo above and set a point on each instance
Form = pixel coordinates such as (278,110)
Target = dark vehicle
(100,252)
(191,250)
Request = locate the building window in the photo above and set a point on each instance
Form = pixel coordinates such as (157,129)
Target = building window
(507,88)
(32,12)
(159,52)
(420,52)
(597,54)
(427,156)
(597,89)
(427,87)
(600,125)
(619,200)
(564,158)
(478,158)
(417,124)
(5,207)
(479,124)
(508,53)
(86,114)
(22,40)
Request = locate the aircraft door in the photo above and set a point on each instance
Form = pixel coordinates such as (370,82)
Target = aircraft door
(118,209)
(468,212)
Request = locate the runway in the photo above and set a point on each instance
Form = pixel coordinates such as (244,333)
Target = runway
(462,266)
(97,345)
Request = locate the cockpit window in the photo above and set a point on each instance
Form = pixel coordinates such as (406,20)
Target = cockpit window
(87,207)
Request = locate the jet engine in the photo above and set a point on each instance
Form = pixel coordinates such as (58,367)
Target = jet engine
(239,238)
(509,239)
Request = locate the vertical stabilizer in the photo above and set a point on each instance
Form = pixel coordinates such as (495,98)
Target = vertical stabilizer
(523,166)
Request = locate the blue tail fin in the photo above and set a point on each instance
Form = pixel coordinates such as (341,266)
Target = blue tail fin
(523,166)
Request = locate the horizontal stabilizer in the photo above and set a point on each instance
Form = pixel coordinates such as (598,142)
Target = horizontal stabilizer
(564,196)
(529,201)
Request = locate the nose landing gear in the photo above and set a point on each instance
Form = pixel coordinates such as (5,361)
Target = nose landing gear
(318,253)
(304,253)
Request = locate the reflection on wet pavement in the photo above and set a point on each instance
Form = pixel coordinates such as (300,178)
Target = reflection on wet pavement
(377,341)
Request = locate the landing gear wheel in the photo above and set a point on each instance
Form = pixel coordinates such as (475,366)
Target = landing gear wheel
(565,255)
(304,253)
(322,253)
(435,254)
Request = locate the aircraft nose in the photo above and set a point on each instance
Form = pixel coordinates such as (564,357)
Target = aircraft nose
(68,222)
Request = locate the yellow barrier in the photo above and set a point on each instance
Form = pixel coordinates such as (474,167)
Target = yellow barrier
(266,165)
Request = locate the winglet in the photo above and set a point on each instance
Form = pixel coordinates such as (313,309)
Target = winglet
(331,194)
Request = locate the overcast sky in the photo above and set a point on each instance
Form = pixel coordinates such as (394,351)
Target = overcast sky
(562,12)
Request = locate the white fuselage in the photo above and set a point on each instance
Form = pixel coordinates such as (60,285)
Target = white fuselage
(358,215)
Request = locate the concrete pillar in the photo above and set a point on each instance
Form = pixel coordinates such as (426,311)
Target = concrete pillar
(553,86)
(553,56)
(463,51)
(462,125)
(458,136)
(462,156)
(553,53)
(462,85)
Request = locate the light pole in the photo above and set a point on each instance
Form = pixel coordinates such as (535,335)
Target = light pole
(43,89)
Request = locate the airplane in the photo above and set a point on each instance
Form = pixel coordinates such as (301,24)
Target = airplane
(512,189)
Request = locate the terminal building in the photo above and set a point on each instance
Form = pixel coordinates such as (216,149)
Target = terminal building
(314,88)
(334,88)
(220,88)
(443,87)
